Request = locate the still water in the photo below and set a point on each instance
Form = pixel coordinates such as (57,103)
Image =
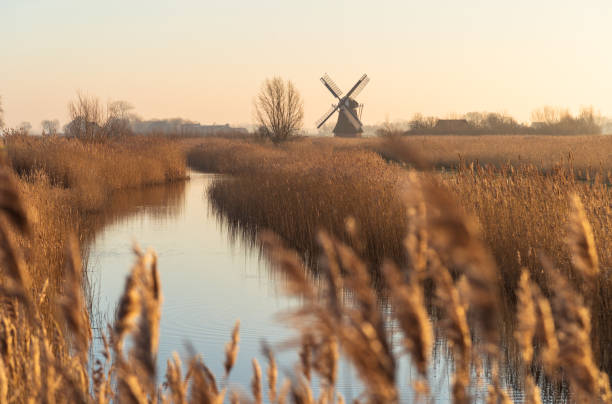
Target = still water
(209,280)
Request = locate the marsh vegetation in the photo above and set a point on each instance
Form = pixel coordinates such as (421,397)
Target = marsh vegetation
(506,261)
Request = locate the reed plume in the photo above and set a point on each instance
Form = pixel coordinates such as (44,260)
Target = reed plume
(203,384)
(455,237)
(527,322)
(73,302)
(256,382)
(573,327)
(272,373)
(174,381)
(231,349)
(410,312)
(581,241)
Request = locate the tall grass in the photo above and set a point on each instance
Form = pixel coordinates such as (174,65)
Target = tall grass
(45,333)
(300,190)
(51,364)
(586,156)
(93,170)
(520,208)
(68,187)
(521,211)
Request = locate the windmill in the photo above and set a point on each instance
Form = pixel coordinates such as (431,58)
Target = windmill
(349,110)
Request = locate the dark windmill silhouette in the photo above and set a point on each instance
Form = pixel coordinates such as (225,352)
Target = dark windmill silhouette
(349,111)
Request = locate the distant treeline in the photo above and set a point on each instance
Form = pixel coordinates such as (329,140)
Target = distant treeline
(91,119)
(545,121)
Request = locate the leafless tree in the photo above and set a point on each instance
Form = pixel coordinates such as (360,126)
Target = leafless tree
(118,118)
(50,127)
(87,115)
(548,115)
(90,119)
(279,110)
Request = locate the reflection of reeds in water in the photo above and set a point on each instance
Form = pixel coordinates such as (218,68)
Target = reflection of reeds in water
(161,202)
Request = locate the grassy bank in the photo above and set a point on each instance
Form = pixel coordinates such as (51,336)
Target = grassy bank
(94,170)
(298,190)
(67,182)
(65,186)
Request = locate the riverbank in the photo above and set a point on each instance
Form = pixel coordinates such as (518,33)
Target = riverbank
(308,184)
(64,181)
(63,184)
(522,212)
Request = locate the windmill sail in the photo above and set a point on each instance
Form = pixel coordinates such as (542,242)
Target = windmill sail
(361,83)
(331,86)
(326,116)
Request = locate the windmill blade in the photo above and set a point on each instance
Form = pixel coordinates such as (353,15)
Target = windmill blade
(326,116)
(352,118)
(331,85)
(361,83)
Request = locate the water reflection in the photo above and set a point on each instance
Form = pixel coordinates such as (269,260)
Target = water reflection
(158,202)
(244,234)
(212,274)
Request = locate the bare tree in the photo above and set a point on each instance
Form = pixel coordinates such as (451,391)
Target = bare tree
(118,118)
(50,127)
(90,119)
(279,110)
(87,115)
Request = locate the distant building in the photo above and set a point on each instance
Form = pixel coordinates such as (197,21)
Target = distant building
(185,128)
(206,130)
(452,126)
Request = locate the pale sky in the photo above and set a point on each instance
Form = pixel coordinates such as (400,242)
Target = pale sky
(205,60)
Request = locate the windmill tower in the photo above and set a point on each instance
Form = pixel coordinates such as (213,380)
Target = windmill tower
(349,111)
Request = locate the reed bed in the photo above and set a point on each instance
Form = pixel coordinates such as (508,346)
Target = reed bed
(446,234)
(93,170)
(521,211)
(228,156)
(297,191)
(523,216)
(39,364)
(68,187)
(68,183)
(585,155)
